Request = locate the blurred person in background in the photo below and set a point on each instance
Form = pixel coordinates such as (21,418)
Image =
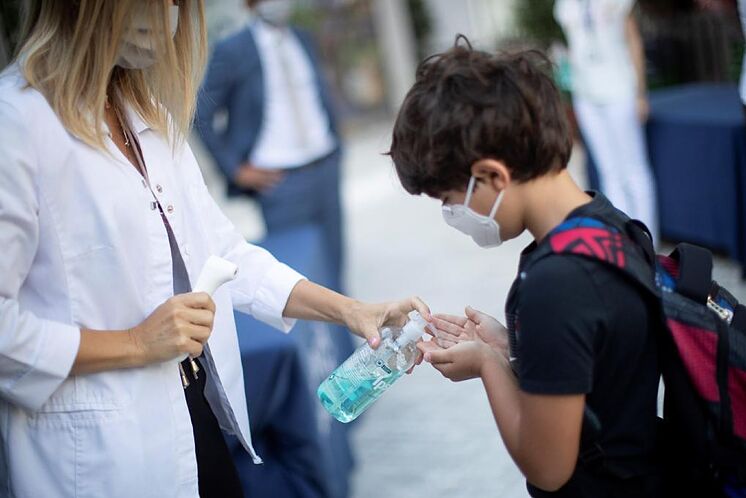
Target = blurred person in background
(280,144)
(610,99)
(105,221)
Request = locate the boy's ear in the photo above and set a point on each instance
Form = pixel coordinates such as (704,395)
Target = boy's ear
(492,172)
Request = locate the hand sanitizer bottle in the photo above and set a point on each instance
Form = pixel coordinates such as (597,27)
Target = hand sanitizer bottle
(368,372)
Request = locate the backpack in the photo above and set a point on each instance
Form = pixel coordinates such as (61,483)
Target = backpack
(702,354)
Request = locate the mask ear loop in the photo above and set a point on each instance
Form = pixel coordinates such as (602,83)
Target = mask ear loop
(497,203)
(470,190)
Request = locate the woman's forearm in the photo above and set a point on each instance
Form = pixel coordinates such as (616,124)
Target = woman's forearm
(100,351)
(310,301)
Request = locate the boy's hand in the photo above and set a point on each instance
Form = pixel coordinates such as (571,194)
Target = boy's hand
(460,362)
(475,326)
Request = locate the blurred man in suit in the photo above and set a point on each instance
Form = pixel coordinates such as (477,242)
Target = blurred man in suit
(279,141)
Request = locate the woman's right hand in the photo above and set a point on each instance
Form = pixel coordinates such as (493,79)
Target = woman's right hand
(178,327)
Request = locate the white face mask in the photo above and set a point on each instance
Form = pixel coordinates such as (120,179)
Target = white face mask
(483,229)
(275,12)
(138,49)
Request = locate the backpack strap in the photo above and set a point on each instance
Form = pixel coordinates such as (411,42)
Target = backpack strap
(640,235)
(629,250)
(695,272)
(739,318)
(721,371)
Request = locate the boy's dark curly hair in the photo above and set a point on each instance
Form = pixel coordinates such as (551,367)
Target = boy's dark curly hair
(468,105)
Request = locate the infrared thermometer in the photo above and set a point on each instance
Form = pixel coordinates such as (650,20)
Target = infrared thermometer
(216,272)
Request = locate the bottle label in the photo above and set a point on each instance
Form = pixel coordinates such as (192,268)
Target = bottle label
(382,365)
(367,364)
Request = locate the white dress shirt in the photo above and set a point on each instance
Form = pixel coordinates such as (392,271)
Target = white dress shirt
(600,57)
(83,246)
(295,128)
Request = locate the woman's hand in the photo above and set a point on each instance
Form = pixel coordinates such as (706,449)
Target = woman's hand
(310,301)
(365,320)
(177,327)
(475,326)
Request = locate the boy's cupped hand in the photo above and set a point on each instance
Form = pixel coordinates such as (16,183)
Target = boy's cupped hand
(462,361)
(461,345)
(449,330)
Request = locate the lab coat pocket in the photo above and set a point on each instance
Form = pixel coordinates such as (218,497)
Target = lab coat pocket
(110,456)
(94,436)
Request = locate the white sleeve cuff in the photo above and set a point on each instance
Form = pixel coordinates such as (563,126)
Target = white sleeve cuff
(273,294)
(58,348)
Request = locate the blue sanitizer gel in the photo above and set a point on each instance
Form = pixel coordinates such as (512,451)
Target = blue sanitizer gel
(367,373)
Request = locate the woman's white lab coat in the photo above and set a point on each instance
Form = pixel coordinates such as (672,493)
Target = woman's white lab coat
(82,245)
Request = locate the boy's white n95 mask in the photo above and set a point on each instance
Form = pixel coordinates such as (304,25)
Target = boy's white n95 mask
(483,229)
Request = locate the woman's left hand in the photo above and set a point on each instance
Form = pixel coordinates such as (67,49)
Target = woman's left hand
(365,320)
(310,301)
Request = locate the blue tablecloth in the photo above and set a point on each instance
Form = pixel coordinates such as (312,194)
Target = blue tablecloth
(697,146)
(306,453)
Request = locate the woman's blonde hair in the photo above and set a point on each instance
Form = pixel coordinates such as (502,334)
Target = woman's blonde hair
(69,50)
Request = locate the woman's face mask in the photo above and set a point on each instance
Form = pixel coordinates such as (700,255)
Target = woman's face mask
(483,229)
(138,49)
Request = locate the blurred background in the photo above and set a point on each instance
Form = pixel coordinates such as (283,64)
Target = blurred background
(427,436)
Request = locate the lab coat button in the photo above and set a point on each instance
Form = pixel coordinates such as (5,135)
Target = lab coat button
(170,209)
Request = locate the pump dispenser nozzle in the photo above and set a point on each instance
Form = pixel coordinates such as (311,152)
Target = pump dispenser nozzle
(413,329)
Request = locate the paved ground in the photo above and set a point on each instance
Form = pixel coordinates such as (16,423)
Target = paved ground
(427,437)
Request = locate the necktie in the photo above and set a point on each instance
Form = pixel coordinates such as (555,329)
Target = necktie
(292,84)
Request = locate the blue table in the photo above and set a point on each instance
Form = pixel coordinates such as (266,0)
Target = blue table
(283,420)
(697,146)
(306,453)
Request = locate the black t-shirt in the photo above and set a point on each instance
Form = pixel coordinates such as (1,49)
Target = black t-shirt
(582,327)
